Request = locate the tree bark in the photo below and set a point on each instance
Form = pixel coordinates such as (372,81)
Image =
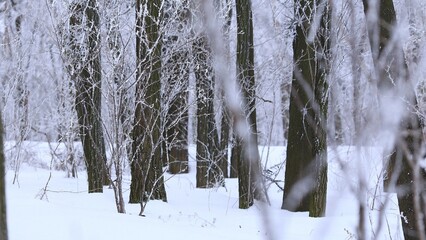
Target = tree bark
(177,115)
(225,116)
(3,215)
(208,171)
(248,166)
(235,154)
(175,95)
(305,186)
(87,78)
(146,166)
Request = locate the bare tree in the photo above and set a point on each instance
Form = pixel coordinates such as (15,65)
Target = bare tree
(208,170)
(15,75)
(393,79)
(176,59)
(84,66)
(67,126)
(224,11)
(117,86)
(146,164)
(248,188)
(305,186)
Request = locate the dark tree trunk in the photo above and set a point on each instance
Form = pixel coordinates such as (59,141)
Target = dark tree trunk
(285,100)
(3,218)
(236,150)
(248,166)
(305,186)
(224,139)
(146,165)
(87,81)
(319,193)
(392,73)
(177,114)
(175,95)
(208,171)
(225,117)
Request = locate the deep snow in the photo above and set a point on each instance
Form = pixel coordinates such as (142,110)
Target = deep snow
(68,212)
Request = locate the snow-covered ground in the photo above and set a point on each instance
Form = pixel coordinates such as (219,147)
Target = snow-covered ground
(67,211)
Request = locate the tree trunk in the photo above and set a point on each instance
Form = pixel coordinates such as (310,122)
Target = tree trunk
(146,166)
(208,171)
(224,138)
(248,166)
(403,169)
(225,116)
(305,184)
(177,114)
(3,218)
(236,149)
(87,80)
(175,95)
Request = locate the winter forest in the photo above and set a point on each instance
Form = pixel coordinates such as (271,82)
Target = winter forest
(212,119)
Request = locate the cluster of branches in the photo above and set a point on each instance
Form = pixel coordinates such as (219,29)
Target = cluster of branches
(148,104)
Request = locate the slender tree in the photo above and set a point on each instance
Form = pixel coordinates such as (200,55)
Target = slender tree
(248,169)
(118,130)
(3,218)
(85,70)
(305,184)
(15,73)
(392,75)
(146,164)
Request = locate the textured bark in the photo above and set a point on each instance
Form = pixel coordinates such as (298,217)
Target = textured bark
(401,168)
(248,166)
(224,139)
(285,102)
(236,150)
(87,80)
(175,96)
(319,194)
(225,116)
(146,166)
(305,186)
(3,217)
(208,171)
(177,114)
